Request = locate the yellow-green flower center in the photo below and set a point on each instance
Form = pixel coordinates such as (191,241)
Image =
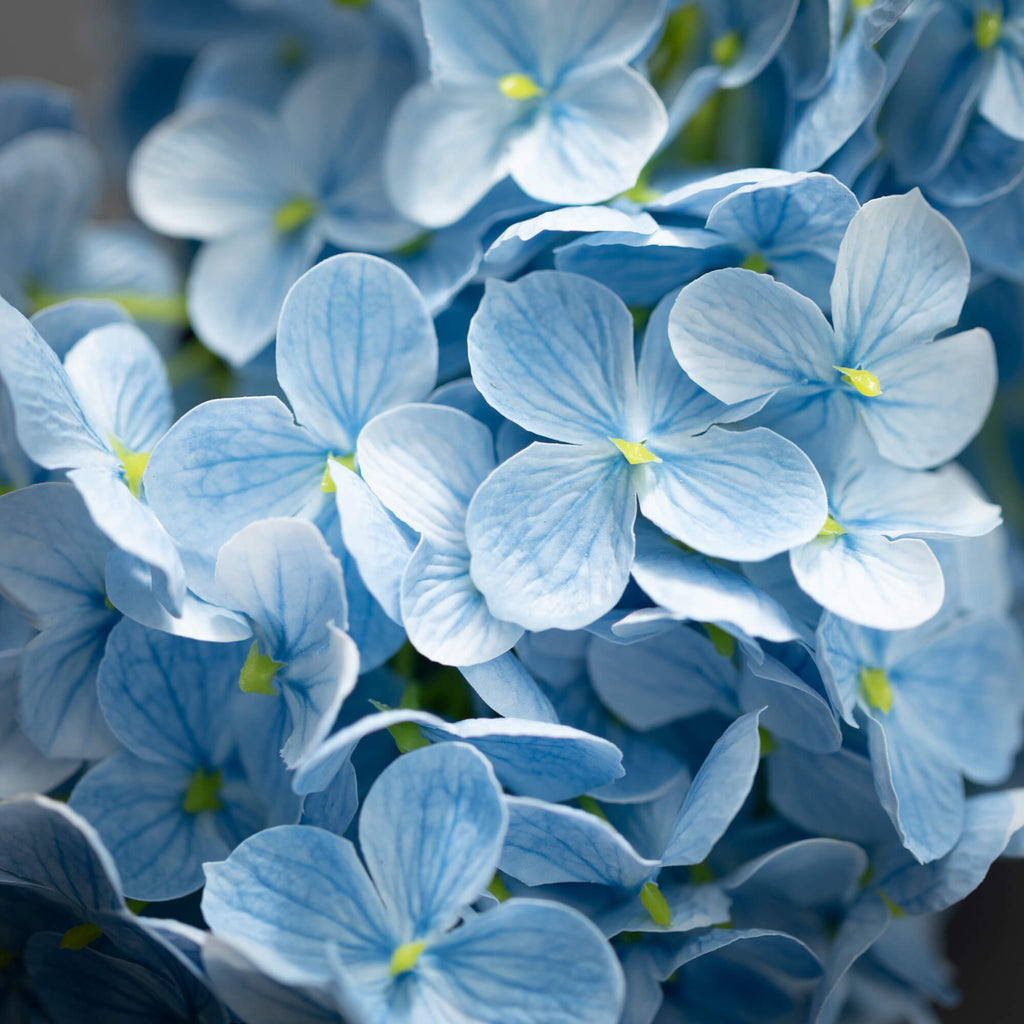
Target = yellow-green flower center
(726,48)
(294,214)
(988,27)
(831,528)
(656,905)
(863,381)
(756,262)
(875,689)
(203,793)
(405,956)
(634,451)
(133,463)
(257,675)
(518,86)
(80,936)
(326,483)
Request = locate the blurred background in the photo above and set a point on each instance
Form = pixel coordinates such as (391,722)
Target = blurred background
(75,43)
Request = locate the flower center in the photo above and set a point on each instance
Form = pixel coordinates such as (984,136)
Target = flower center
(518,86)
(875,688)
(634,451)
(405,956)
(863,381)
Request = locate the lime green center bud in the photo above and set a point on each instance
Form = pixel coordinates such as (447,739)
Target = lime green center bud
(701,873)
(893,907)
(351,3)
(724,643)
(413,246)
(293,214)
(642,192)
(80,936)
(518,86)
(7,957)
(591,806)
(656,905)
(405,956)
(634,451)
(726,48)
(327,484)
(863,381)
(292,53)
(831,528)
(755,262)
(862,5)
(498,889)
(258,672)
(136,906)
(203,793)
(988,27)
(875,688)
(768,744)
(132,463)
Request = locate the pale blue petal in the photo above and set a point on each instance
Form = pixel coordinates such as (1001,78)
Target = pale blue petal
(671,676)
(506,687)
(431,830)
(740,335)
(761,26)
(1002,97)
(690,586)
(52,425)
(129,585)
(446,617)
(551,535)
(237,284)
(228,463)
(121,385)
(494,970)
(554,353)
(591,140)
(936,398)
(870,580)
(856,83)
(467,40)
(211,171)
(425,462)
(135,529)
(51,554)
(737,495)
(288,892)
(166,698)
(136,806)
(51,848)
(901,278)
(377,542)
(282,574)
(548,843)
(57,705)
(64,323)
(921,791)
(27,105)
(432,122)
(987,165)
(771,950)
(259,998)
(355,339)
(717,792)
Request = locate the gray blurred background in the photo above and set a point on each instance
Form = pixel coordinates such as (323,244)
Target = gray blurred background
(75,43)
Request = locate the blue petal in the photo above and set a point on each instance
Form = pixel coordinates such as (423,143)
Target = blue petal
(431,830)
(446,617)
(717,792)
(1002,97)
(492,969)
(738,495)
(592,139)
(549,843)
(901,278)
(425,462)
(551,535)
(554,353)
(505,686)
(740,335)
(64,323)
(228,463)
(355,339)
(286,893)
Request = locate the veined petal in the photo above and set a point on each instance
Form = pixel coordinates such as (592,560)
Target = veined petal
(591,139)
(1002,98)
(228,463)
(432,122)
(901,278)
(425,463)
(355,339)
(121,384)
(505,686)
(210,171)
(935,400)
(740,495)
(446,617)
(551,535)
(493,970)
(884,584)
(289,892)
(237,284)
(741,335)
(431,830)
(554,353)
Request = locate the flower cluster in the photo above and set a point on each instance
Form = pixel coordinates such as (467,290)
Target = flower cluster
(538,588)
